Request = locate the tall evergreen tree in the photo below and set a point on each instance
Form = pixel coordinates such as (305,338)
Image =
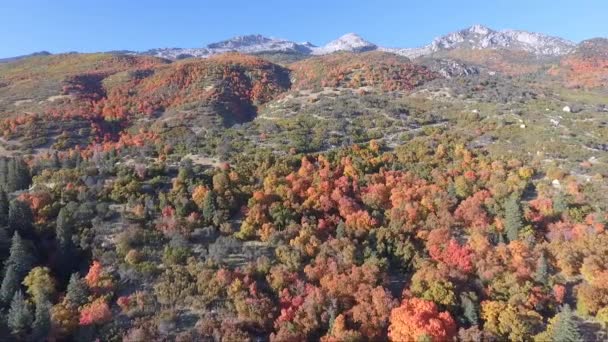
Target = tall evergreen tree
(42,321)
(513,218)
(18,175)
(565,328)
(20,218)
(66,250)
(542,270)
(19,263)
(470,307)
(77,292)
(561,328)
(5,243)
(19,315)
(209,207)
(4,205)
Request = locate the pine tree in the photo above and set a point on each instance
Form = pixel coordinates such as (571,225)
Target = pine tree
(18,175)
(20,218)
(4,242)
(513,219)
(470,307)
(19,263)
(209,206)
(542,270)
(19,315)
(565,328)
(4,205)
(77,292)
(66,250)
(561,328)
(42,321)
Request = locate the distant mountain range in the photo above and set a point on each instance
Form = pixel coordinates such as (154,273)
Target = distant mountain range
(474,37)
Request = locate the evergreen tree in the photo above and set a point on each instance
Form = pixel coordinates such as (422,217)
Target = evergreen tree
(542,270)
(4,242)
(565,328)
(19,315)
(77,292)
(18,175)
(66,250)
(470,307)
(4,205)
(20,218)
(209,206)
(561,328)
(42,321)
(18,265)
(513,218)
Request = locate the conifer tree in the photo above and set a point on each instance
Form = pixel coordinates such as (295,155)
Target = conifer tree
(19,263)
(19,315)
(66,250)
(42,321)
(20,218)
(561,328)
(470,307)
(542,270)
(209,206)
(77,291)
(4,205)
(513,218)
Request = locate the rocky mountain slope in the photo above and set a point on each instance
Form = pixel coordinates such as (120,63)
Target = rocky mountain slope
(479,37)
(476,37)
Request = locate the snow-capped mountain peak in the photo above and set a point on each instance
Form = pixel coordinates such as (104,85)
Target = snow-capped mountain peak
(349,42)
(475,37)
(480,29)
(480,37)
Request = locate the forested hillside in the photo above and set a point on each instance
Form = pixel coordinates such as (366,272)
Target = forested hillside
(354,196)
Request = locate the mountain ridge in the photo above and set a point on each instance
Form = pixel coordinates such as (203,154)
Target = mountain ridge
(475,37)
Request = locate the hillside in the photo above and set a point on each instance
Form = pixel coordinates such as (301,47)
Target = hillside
(301,193)
(369,69)
(587,66)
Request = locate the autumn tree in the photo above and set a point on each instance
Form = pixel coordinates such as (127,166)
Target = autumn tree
(40,284)
(417,319)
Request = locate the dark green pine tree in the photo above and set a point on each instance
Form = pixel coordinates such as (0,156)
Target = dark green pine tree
(20,218)
(19,315)
(5,242)
(470,306)
(18,175)
(42,321)
(209,207)
(19,263)
(565,328)
(77,292)
(66,250)
(4,205)
(513,218)
(542,270)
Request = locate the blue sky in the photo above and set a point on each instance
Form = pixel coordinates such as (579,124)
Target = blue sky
(101,25)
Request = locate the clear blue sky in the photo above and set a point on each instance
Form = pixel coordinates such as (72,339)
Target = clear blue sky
(101,25)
